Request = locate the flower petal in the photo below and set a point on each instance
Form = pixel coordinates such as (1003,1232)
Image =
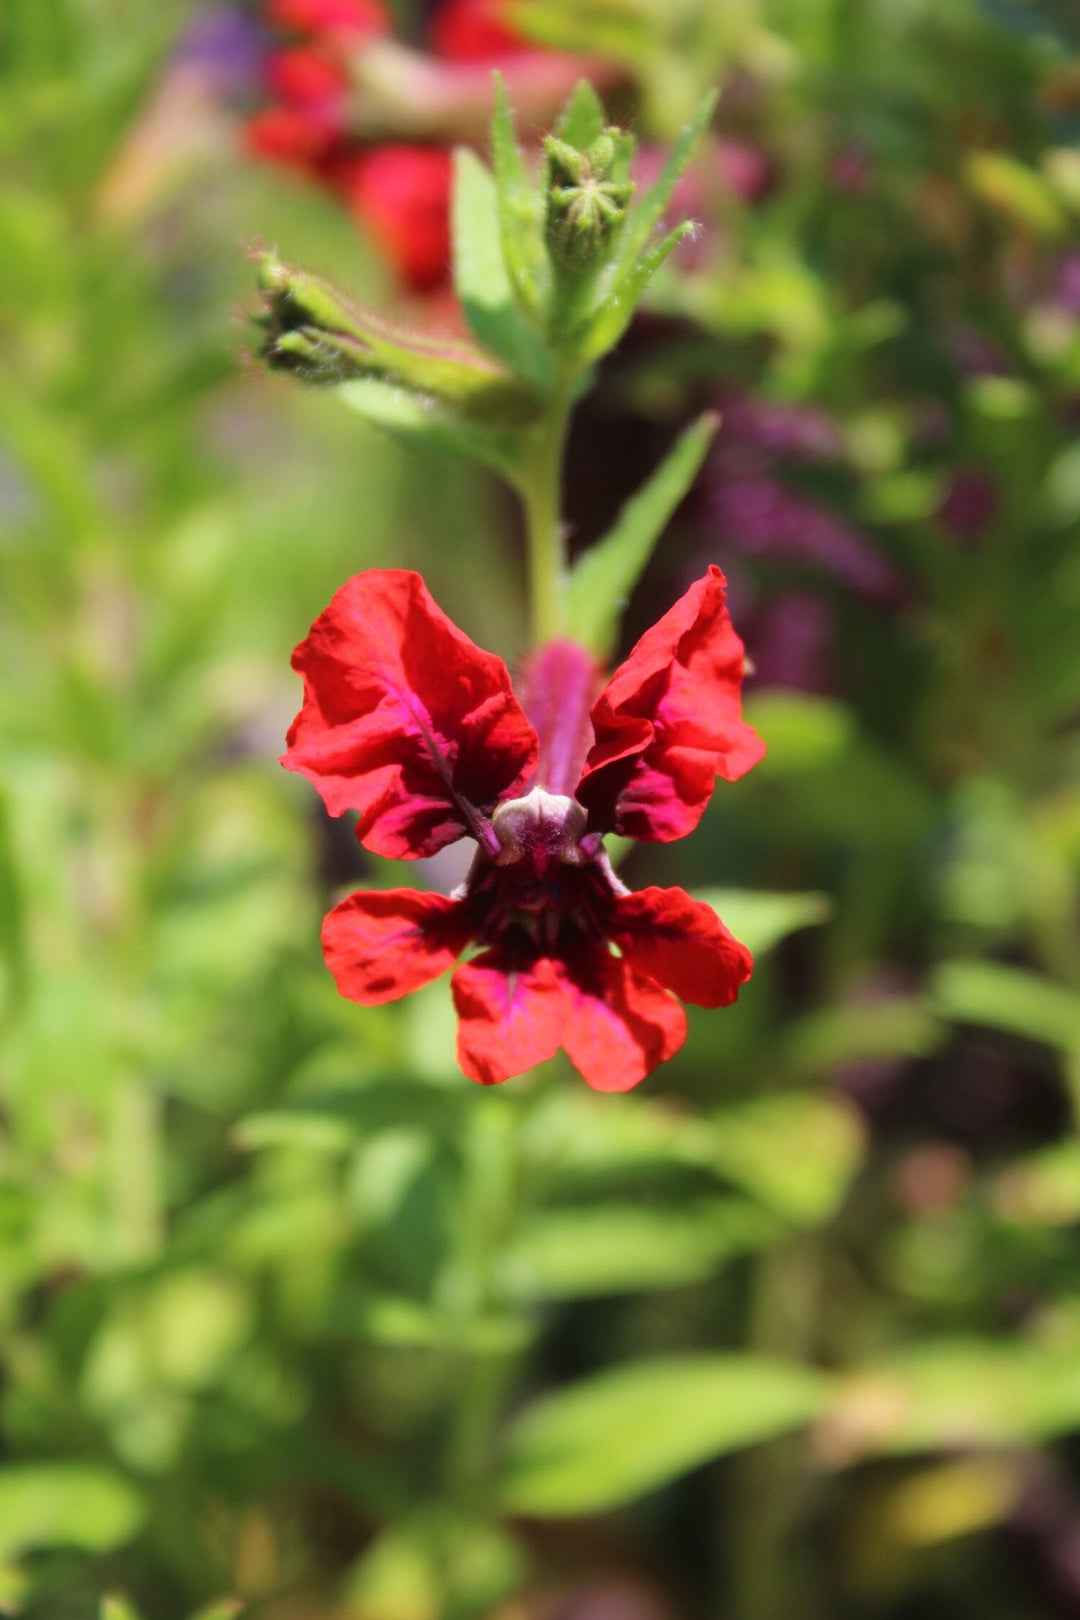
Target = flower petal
(404,718)
(382,944)
(682,944)
(618,1025)
(511,1018)
(669,722)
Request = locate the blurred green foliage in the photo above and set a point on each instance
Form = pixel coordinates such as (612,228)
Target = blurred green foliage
(288,1309)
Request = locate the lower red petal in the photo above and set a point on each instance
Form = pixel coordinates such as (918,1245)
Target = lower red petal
(510,1019)
(619,1026)
(682,944)
(383,944)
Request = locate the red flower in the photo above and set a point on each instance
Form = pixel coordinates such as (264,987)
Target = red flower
(355,17)
(475,31)
(401,194)
(409,723)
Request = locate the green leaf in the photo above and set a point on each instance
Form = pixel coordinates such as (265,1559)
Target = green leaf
(118,1608)
(794,1152)
(647,209)
(430,426)
(520,209)
(628,1431)
(223,1609)
(959,1393)
(588,30)
(65,1505)
(603,578)
(481,278)
(801,732)
(575,1253)
(895,1026)
(760,918)
(1010,999)
(617,311)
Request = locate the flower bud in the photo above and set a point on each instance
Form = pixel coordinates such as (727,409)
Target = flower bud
(585,200)
(314,330)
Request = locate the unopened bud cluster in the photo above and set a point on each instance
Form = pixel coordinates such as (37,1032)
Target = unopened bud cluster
(586,200)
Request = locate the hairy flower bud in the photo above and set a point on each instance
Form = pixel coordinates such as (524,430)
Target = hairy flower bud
(317,332)
(586,201)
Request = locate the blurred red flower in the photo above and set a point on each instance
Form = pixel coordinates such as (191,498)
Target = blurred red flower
(409,723)
(398,191)
(475,31)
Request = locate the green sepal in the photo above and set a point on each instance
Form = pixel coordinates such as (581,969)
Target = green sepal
(482,279)
(604,576)
(582,119)
(324,337)
(428,424)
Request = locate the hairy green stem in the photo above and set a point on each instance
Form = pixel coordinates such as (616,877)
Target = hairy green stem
(540,487)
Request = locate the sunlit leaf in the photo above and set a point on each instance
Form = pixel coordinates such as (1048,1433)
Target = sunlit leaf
(60,1504)
(622,1433)
(625,1248)
(956,1393)
(429,426)
(481,278)
(1009,998)
(802,732)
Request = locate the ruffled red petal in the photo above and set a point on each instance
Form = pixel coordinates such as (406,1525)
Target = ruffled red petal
(405,719)
(617,1025)
(510,1019)
(384,944)
(669,722)
(682,944)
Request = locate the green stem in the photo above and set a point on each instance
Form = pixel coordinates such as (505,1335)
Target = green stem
(540,487)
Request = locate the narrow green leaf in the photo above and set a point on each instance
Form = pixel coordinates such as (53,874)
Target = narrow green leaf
(959,1393)
(481,277)
(425,423)
(615,312)
(1010,999)
(520,209)
(761,918)
(583,1251)
(582,118)
(647,209)
(588,30)
(628,1431)
(603,578)
(223,1609)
